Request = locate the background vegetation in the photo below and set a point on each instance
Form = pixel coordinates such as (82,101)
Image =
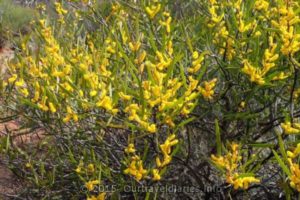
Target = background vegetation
(199,94)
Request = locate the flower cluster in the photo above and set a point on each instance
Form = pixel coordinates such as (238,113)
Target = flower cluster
(294,177)
(153,9)
(291,128)
(220,33)
(167,158)
(286,22)
(268,62)
(230,38)
(60,11)
(136,168)
(230,164)
(100,196)
(135,164)
(89,174)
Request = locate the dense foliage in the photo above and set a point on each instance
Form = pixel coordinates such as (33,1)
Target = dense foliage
(147,94)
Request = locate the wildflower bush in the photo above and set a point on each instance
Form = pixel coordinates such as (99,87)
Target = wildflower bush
(146,94)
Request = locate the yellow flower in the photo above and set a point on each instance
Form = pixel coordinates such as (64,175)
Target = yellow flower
(124,96)
(230,163)
(93,93)
(261,5)
(28,165)
(295,153)
(91,168)
(59,9)
(243,104)
(52,107)
(153,10)
(254,73)
(287,25)
(134,46)
(295,175)
(140,59)
(136,168)
(166,150)
(79,167)
(101,196)
(90,185)
(215,18)
(208,90)
(280,76)
(164,62)
(130,148)
(43,107)
(70,115)
(167,23)
(243,182)
(20,83)
(133,109)
(58,74)
(25,92)
(67,87)
(67,119)
(156,176)
(75,117)
(257,34)
(106,103)
(197,61)
(169,121)
(151,128)
(13,78)
(289,129)
(230,160)
(242,27)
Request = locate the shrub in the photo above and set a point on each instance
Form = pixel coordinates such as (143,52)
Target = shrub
(120,89)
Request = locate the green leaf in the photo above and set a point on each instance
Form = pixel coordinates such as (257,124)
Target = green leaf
(251,160)
(261,145)
(243,175)
(281,163)
(282,148)
(183,123)
(29,103)
(218,138)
